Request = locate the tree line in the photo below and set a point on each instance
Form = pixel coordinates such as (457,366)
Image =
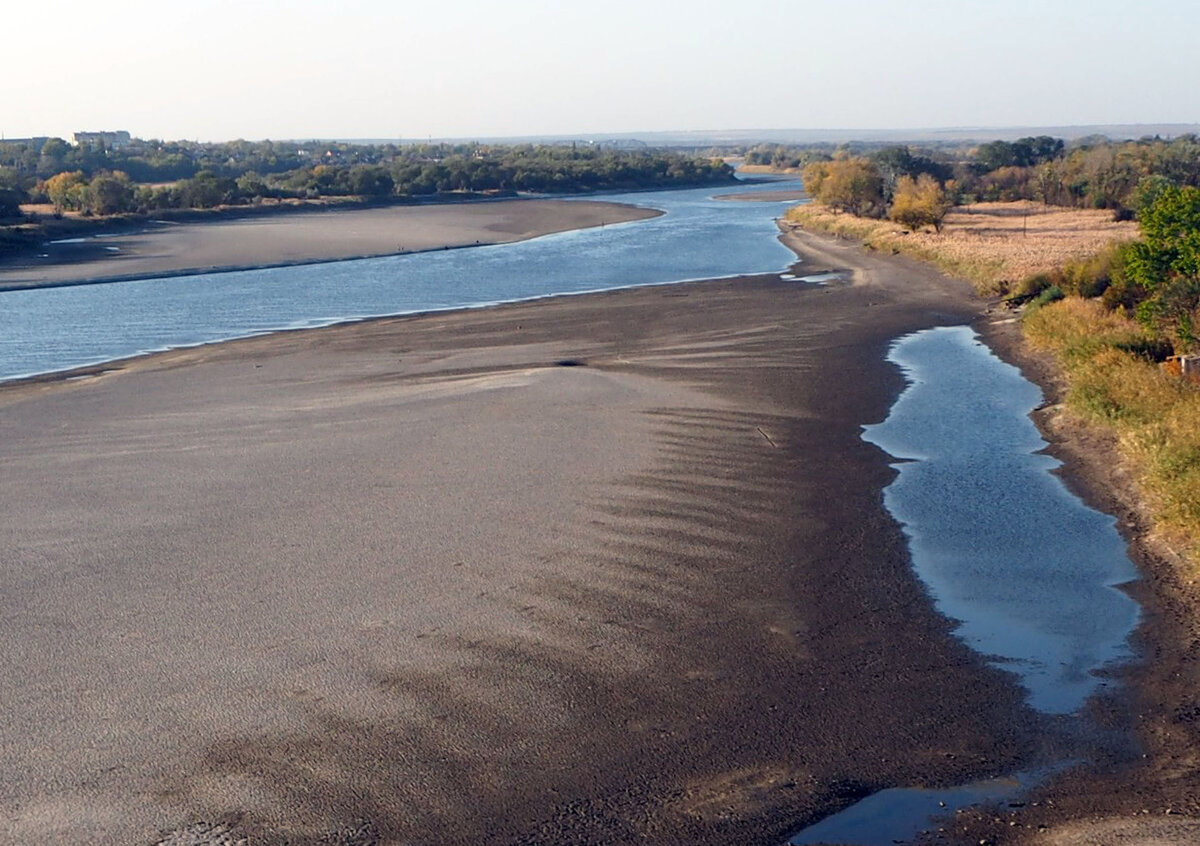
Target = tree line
(1155,279)
(149,176)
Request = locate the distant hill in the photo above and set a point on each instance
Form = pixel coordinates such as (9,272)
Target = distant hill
(714,138)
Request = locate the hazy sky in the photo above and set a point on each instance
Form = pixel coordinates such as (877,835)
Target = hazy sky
(222,69)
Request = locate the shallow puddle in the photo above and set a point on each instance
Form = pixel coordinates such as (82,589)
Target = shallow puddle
(898,814)
(1029,572)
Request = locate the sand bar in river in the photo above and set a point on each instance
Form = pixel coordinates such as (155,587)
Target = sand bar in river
(302,237)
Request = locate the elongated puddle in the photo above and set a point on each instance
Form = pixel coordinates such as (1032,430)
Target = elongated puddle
(1028,570)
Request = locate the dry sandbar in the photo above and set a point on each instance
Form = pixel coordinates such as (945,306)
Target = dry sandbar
(303,237)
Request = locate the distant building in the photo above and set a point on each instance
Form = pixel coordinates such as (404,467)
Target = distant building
(111,140)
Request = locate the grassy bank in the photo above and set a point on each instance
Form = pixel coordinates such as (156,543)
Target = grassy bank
(1106,356)
(1155,416)
(994,245)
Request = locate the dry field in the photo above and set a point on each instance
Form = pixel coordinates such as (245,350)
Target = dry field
(995,245)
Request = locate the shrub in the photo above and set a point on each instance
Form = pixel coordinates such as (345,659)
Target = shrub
(1050,295)
(1032,286)
(919,202)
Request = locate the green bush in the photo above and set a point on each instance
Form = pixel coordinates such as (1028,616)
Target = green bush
(1033,286)
(1047,296)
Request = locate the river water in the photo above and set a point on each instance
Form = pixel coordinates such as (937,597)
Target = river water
(1029,571)
(697,237)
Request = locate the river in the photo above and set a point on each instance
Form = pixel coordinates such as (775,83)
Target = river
(697,237)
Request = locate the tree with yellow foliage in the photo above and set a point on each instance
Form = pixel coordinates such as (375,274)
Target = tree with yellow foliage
(852,185)
(67,190)
(919,202)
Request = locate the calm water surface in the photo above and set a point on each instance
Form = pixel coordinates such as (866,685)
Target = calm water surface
(698,237)
(1028,571)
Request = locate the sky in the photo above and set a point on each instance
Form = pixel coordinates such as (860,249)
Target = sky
(214,70)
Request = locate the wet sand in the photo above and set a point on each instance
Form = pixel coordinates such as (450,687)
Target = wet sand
(601,569)
(303,237)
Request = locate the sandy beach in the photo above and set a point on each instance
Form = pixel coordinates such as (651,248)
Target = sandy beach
(302,237)
(604,569)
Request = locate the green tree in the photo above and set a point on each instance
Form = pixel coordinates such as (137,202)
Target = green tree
(12,193)
(110,193)
(207,190)
(370,181)
(1165,264)
(10,203)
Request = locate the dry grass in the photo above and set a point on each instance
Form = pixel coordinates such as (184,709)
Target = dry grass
(1155,416)
(995,245)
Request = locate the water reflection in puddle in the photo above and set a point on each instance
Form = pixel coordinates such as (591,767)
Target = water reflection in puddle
(1027,569)
(815,278)
(900,814)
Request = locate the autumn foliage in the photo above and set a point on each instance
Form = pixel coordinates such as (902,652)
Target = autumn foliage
(919,202)
(853,185)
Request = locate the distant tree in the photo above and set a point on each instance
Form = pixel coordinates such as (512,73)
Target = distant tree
(994,155)
(370,181)
(253,186)
(52,157)
(919,202)
(10,203)
(1006,184)
(1034,150)
(851,184)
(12,193)
(1024,152)
(110,193)
(151,198)
(207,190)
(66,190)
(897,161)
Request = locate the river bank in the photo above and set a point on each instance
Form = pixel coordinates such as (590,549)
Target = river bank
(168,248)
(413,577)
(1129,795)
(1149,790)
(1150,793)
